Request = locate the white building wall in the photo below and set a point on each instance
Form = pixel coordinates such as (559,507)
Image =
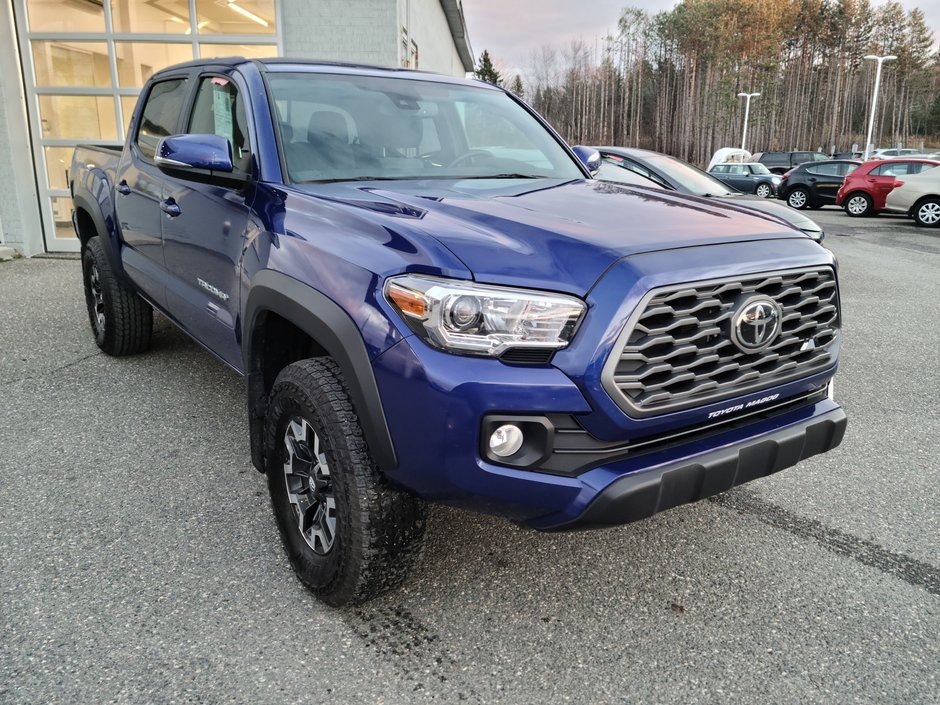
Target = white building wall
(427,27)
(369,32)
(20,224)
(356,31)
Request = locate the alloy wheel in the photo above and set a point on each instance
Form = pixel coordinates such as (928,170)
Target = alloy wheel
(929,213)
(97,295)
(310,485)
(763,190)
(857,205)
(797,199)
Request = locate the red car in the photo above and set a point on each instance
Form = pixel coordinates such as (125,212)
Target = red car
(865,189)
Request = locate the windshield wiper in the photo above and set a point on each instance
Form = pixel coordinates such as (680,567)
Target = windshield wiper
(505,176)
(418,177)
(350,178)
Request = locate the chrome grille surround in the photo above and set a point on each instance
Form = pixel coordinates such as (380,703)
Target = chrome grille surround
(676,352)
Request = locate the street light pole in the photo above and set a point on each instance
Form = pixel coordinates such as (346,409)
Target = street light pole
(874,98)
(747,112)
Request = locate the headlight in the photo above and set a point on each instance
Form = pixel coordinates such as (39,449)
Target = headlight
(776,180)
(475,319)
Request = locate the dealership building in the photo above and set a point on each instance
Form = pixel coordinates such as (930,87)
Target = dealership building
(70,72)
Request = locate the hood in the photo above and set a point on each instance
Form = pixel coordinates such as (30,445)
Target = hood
(778,209)
(544,233)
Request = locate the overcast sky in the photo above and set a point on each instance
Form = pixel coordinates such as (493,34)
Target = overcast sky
(511,30)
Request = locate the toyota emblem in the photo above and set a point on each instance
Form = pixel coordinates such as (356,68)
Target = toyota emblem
(756,324)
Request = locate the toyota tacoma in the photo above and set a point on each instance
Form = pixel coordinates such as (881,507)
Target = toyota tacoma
(431,300)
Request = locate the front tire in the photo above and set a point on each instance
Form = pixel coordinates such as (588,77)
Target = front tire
(348,535)
(798,198)
(121,321)
(858,205)
(927,213)
(764,190)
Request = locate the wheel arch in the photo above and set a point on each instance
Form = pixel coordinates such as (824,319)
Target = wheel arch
(280,305)
(89,221)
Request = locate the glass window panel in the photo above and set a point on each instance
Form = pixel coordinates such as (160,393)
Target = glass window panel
(137,61)
(62,217)
(151,16)
(161,114)
(58,16)
(58,163)
(128,103)
(249,51)
(68,63)
(77,117)
(231,17)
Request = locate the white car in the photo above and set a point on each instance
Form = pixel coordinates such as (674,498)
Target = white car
(918,196)
(894,153)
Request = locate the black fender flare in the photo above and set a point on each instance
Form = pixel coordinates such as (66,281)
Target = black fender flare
(108,235)
(332,329)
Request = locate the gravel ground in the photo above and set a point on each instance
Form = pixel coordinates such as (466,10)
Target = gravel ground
(140,563)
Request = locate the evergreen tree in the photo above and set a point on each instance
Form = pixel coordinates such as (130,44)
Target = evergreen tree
(486,71)
(517,87)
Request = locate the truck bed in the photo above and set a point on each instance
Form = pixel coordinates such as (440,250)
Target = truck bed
(95,160)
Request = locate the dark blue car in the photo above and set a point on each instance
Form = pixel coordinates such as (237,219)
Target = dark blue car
(431,299)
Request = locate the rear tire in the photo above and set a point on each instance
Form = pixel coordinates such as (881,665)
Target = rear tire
(349,536)
(858,205)
(798,198)
(121,321)
(927,213)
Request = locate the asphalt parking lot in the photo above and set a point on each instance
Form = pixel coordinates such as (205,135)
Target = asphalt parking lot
(140,563)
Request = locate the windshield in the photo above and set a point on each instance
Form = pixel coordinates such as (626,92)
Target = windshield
(696,181)
(342,127)
(759,169)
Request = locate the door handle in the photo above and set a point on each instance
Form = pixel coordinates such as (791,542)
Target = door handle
(170,207)
(122,188)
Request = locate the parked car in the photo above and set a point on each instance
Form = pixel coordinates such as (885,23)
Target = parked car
(751,177)
(623,164)
(782,162)
(609,171)
(864,190)
(918,196)
(431,299)
(815,185)
(894,153)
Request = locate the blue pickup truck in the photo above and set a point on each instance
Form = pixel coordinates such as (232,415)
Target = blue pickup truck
(431,299)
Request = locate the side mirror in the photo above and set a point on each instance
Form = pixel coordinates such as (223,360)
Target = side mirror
(206,152)
(590,157)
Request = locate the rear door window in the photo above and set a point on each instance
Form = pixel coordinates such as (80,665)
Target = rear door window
(826,170)
(895,169)
(161,114)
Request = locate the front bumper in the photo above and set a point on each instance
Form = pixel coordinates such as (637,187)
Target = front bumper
(642,494)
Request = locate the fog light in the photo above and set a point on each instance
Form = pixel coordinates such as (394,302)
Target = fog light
(506,440)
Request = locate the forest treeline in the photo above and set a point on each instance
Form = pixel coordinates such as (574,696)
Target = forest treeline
(669,81)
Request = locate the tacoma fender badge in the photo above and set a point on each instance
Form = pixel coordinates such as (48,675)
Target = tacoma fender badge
(213,290)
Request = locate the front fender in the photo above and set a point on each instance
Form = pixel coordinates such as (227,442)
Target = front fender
(335,331)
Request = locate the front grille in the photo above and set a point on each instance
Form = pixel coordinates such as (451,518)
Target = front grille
(676,352)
